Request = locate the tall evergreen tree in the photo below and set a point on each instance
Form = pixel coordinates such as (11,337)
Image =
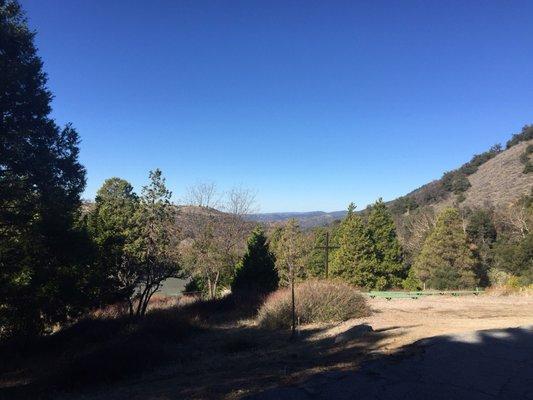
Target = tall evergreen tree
(355,260)
(446,261)
(317,257)
(42,257)
(256,273)
(389,268)
(111,225)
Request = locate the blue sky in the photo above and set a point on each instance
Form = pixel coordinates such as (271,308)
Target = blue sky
(312,104)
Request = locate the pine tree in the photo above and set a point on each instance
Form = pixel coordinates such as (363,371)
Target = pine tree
(355,260)
(43,258)
(445,261)
(316,259)
(388,252)
(152,249)
(256,273)
(110,225)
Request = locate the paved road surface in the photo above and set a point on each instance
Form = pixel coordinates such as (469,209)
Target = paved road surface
(493,364)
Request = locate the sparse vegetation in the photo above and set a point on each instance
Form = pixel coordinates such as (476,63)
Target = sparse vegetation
(316,301)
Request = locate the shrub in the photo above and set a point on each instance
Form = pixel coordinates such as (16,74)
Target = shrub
(105,350)
(526,134)
(412,282)
(316,301)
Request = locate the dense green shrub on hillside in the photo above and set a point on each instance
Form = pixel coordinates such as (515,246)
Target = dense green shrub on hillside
(516,258)
(256,273)
(525,158)
(479,159)
(455,181)
(526,134)
(316,301)
(403,204)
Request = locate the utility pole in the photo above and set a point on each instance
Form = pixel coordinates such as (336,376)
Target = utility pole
(326,249)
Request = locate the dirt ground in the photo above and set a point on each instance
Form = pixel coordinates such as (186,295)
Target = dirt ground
(426,317)
(239,359)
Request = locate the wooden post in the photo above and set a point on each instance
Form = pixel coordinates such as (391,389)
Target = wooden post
(326,249)
(293,304)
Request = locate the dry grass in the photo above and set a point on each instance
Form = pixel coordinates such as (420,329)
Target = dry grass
(510,290)
(230,355)
(499,182)
(316,301)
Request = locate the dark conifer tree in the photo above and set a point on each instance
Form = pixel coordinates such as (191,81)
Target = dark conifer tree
(256,274)
(41,254)
(389,267)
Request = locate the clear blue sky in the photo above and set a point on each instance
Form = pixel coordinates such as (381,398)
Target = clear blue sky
(313,104)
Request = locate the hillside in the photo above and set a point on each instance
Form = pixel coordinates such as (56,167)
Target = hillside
(500,181)
(306,219)
(497,182)
(494,178)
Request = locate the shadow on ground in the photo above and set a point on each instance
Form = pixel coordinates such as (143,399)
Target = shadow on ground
(492,364)
(198,351)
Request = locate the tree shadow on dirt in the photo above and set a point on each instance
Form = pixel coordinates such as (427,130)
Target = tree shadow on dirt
(208,349)
(491,364)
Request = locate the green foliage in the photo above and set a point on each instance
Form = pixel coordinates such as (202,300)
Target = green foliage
(369,255)
(446,261)
(404,204)
(111,225)
(135,239)
(412,283)
(525,159)
(290,250)
(479,159)
(481,233)
(516,257)
(151,249)
(355,261)
(44,278)
(526,134)
(388,253)
(256,273)
(480,227)
(196,286)
(455,181)
(316,259)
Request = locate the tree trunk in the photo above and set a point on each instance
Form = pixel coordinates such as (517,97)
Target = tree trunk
(293,330)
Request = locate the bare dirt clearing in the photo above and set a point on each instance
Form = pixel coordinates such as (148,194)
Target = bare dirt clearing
(239,359)
(411,320)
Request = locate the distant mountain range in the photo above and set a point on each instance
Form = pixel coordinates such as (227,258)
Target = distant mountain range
(306,219)
(495,178)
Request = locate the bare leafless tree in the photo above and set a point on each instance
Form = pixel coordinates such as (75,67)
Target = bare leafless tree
(414,228)
(203,194)
(219,233)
